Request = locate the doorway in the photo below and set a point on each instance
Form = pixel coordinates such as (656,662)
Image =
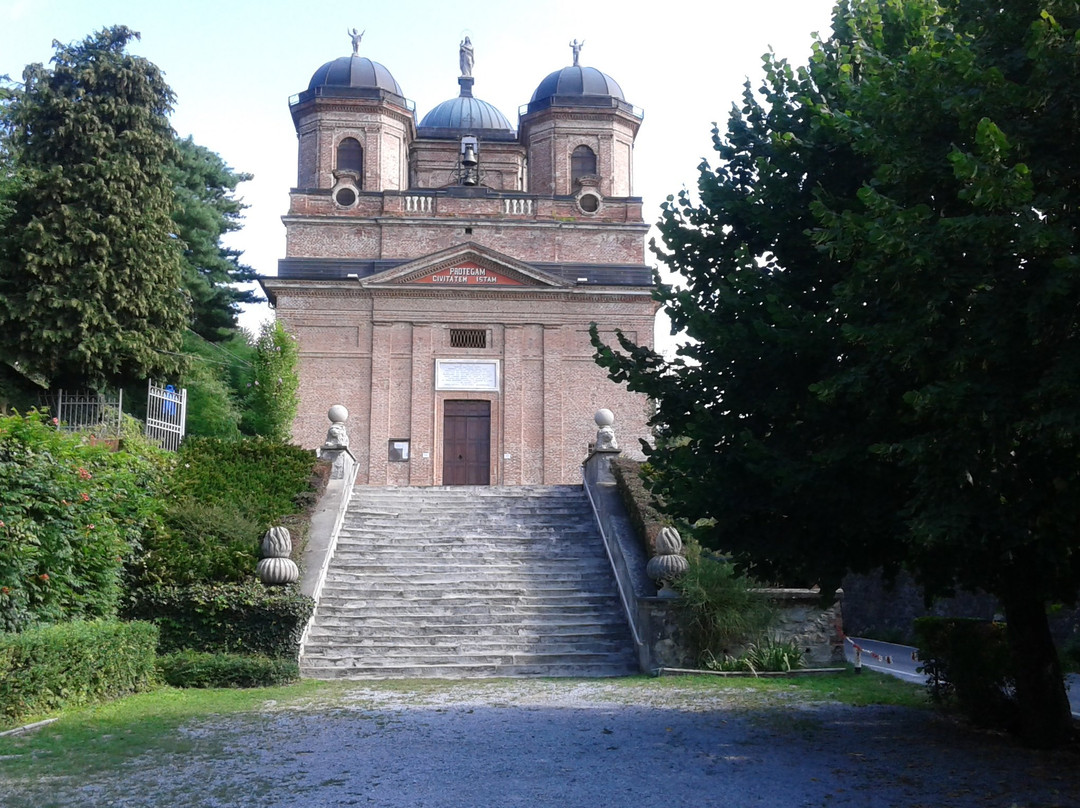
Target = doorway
(466,443)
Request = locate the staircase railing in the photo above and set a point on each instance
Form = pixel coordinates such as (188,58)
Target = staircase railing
(630,610)
(343,473)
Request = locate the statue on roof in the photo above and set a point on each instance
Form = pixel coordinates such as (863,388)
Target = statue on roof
(356,37)
(465,57)
(576,47)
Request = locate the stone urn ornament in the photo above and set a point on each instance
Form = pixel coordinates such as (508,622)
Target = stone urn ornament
(276,568)
(668,565)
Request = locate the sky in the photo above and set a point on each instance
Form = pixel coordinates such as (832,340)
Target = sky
(233,65)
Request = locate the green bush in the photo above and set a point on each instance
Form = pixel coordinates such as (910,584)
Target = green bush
(969,667)
(769,655)
(71,515)
(272,402)
(225,495)
(204,542)
(720,608)
(200,669)
(45,669)
(246,618)
(262,479)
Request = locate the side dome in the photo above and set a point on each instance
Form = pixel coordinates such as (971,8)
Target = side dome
(577,86)
(355,76)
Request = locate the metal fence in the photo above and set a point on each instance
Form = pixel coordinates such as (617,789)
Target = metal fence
(166,415)
(87,412)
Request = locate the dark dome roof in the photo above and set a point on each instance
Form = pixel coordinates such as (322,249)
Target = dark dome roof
(577,86)
(466,114)
(355,72)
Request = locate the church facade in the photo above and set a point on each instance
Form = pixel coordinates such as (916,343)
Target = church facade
(441,276)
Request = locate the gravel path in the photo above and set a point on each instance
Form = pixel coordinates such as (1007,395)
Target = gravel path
(539,743)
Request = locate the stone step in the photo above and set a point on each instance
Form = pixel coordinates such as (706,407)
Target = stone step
(461,582)
(347,609)
(410,645)
(451,671)
(493,661)
(412,624)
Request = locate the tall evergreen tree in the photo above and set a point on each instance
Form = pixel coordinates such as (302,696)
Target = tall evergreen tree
(205,209)
(882,285)
(90,275)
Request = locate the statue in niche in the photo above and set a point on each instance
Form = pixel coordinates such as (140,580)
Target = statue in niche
(465,57)
(356,37)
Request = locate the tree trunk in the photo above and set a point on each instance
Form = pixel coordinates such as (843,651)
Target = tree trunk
(1045,717)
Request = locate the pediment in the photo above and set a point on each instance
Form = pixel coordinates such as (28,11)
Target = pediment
(467,265)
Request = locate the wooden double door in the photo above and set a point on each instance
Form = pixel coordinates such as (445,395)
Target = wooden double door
(466,443)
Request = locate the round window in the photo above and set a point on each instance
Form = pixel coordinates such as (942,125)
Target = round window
(590,203)
(345,197)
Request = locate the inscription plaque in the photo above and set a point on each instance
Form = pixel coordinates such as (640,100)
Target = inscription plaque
(466,374)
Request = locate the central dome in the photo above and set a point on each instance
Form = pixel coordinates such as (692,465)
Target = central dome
(466,115)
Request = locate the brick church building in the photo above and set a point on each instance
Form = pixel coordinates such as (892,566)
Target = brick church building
(441,276)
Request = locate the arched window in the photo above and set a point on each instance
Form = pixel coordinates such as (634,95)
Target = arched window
(582,163)
(350,156)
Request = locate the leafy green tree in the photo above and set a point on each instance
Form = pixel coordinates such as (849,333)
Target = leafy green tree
(273,402)
(205,209)
(213,403)
(881,291)
(90,276)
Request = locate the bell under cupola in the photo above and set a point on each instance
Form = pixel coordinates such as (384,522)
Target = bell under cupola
(466,141)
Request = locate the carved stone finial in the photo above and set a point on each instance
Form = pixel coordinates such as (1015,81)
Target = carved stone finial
(605,435)
(668,565)
(356,37)
(465,57)
(576,47)
(336,436)
(276,568)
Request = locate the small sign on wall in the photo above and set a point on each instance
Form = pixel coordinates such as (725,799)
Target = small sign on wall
(467,374)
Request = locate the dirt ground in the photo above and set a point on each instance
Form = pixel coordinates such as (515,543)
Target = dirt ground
(541,743)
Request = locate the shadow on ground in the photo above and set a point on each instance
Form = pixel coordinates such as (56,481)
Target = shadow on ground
(568,750)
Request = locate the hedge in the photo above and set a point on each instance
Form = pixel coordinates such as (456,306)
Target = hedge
(245,618)
(201,669)
(647,521)
(73,664)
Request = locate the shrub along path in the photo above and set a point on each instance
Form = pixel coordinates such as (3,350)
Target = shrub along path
(542,742)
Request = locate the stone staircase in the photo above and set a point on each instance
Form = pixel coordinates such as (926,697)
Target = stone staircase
(468,581)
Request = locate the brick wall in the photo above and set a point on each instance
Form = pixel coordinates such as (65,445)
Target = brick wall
(375,353)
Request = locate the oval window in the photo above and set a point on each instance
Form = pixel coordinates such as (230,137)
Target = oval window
(345,197)
(590,203)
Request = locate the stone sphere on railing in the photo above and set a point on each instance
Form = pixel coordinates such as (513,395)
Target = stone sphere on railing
(605,435)
(336,436)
